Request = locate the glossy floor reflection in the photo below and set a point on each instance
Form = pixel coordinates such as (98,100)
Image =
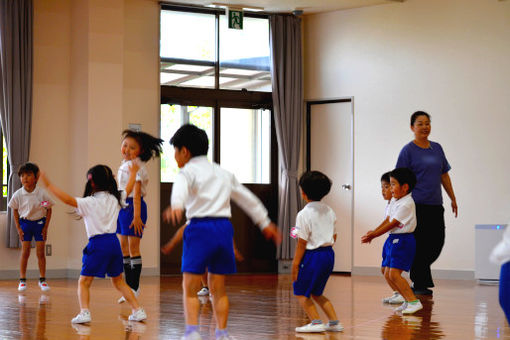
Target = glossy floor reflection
(262,307)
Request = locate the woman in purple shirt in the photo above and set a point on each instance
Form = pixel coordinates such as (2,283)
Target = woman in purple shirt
(428,162)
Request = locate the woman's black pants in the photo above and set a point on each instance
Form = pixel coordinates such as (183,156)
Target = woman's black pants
(429,235)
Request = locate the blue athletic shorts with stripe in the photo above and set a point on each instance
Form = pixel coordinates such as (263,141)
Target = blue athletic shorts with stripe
(398,251)
(207,243)
(126,218)
(314,271)
(32,229)
(102,256)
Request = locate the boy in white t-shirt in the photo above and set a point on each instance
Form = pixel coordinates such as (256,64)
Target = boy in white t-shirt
(31,207)
(314,257)
(400,247)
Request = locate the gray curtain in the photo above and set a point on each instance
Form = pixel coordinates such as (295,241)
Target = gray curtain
(15,91)
(286,71)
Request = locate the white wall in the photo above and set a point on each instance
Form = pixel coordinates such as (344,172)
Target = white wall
(450,58)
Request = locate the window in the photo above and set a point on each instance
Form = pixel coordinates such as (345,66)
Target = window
(198,50)
(172,117)
(245,144)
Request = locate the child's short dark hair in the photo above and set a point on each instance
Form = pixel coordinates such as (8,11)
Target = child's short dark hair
(150,146)
(415,116)
(191,137)
(315,185)
(28,167)
(386,177)
(404,176)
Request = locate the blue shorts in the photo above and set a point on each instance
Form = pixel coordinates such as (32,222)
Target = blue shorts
(207,243)
(32,229)
(314,271)
(398,251)
(102,256)
(126,218)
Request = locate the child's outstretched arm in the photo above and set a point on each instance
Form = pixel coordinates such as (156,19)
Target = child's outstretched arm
(298,256)
(386,226)
(170,245)
(60,194)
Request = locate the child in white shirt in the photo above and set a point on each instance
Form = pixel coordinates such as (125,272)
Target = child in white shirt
(400,246)
(204,190)
(31,207)
(314,258)
(99,207)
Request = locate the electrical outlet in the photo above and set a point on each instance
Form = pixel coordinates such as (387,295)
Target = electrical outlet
(48,250)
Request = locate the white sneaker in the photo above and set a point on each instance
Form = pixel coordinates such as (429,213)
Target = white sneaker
(83,317)
(138,315)
(122,299)
(401,307)
(412,307)
(203,292)
(396,298)
(334,328)
(192,336)
(44,286)
(311,328)
(22,286)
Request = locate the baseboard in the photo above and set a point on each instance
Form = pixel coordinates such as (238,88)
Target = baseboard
(13,274)
(436,273)
(284,266)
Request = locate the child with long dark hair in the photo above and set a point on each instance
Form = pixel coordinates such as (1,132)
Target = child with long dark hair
(136,147)
(99,207)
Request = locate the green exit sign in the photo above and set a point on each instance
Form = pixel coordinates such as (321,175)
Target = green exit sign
(235,19)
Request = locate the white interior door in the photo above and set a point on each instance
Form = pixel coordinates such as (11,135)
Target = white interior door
(330,151)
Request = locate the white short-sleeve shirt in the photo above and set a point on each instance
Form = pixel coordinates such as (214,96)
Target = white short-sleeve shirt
(404,211)
(142,176)
(99,212)
(31,205)
(315,224)
(204,189)
(501,252)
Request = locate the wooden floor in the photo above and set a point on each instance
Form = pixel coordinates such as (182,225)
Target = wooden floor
(262,307)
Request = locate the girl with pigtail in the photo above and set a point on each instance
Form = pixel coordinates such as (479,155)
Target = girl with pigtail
(99,207)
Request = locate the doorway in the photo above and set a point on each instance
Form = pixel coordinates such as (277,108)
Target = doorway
(330,150)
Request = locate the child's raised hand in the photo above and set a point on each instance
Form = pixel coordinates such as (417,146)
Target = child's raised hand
(173,216)
(272,232)
(135,166)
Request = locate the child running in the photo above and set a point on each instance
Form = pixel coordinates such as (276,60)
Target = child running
(400,246)
(314,257)
(139,147)
(100,208)
(204,190)
(31,207)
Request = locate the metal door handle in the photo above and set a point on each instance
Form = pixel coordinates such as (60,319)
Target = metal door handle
(346,186)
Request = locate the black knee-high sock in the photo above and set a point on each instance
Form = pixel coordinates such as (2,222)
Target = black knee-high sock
(127,270)
(136,268)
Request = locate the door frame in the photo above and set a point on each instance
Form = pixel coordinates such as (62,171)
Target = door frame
(309,104)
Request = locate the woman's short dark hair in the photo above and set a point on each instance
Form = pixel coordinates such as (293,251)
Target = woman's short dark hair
(150,146)
(404,176)
(315,185)
(28,167)
(191,137)
(415,116)
(386,177)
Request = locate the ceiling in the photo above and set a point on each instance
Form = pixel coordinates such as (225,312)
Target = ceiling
(308,6)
